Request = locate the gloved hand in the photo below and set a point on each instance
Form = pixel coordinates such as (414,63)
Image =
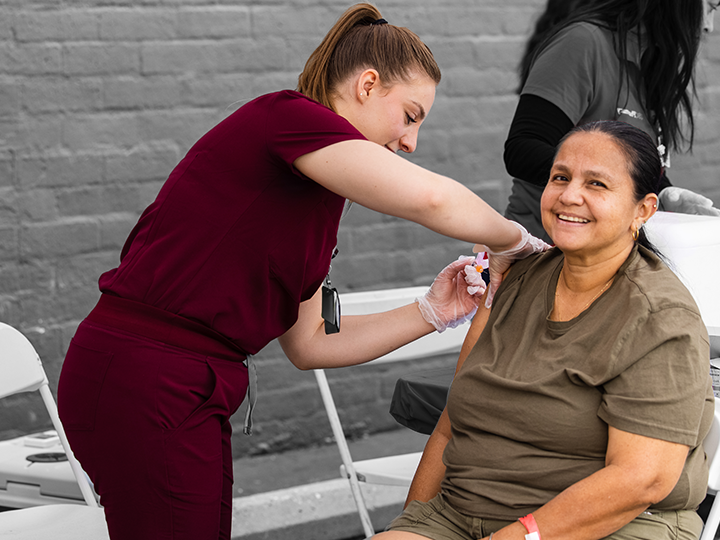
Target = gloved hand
(448,303)
(684,201)
(500,262)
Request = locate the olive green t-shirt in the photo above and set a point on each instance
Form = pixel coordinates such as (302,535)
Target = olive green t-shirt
(530,407)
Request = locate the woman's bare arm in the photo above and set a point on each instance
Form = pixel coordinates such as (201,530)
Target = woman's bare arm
(638,472)
(374,177)
(431,470)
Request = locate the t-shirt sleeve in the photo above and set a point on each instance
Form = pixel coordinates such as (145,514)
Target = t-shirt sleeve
(565,72)
(298,126)
(662,393)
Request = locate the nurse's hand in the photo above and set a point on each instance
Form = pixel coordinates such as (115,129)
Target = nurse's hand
(501,261)
(449,302)
(684,201)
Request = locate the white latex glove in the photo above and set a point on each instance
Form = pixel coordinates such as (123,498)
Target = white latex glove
(500,262)
(684,201)
(448,303)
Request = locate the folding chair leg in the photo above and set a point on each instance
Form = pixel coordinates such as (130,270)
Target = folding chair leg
(344,452)
(77,470)
(713,520)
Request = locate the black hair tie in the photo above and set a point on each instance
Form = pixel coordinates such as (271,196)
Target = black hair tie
(379,21)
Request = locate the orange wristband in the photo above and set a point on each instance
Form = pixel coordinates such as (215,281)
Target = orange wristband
(531,526)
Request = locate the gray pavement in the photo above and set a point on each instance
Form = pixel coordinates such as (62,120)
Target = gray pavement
(299,494)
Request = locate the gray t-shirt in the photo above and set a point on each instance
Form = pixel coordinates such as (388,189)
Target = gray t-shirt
(530,407)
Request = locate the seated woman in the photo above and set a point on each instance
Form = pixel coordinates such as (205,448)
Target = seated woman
(580,410)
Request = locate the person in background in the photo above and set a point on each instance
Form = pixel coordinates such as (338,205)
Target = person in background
(628,60)
(589,423)
(232,254)
(555,12)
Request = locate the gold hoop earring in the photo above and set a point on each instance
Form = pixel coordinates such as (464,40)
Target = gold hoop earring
(635,235)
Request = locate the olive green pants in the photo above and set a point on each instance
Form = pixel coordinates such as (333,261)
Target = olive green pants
(437,520)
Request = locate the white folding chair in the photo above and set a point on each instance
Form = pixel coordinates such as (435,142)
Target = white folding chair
(691,244)
(395,470)
(21,371)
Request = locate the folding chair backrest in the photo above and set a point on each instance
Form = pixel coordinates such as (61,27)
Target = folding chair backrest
(19,363)
(711,444)
(21,371)
(691,243)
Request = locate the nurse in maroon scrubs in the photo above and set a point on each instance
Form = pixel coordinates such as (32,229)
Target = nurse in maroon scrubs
(232,255)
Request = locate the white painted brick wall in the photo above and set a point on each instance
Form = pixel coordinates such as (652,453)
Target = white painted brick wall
(99,99)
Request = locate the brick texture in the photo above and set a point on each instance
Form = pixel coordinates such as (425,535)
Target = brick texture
(99,99)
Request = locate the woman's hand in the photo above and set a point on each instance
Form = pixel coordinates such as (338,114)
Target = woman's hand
(454,296)
(501,261)
(684,201)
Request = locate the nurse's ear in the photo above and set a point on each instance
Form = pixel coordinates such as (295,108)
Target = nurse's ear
(367,83)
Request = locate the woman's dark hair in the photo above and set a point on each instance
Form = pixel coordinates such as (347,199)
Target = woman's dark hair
(670,41)
(643,160)
(361,39)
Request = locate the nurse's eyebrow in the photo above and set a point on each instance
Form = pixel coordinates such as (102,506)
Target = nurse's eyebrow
(421,114)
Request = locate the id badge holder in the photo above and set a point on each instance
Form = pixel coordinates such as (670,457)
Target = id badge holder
(330,303)
(330,308)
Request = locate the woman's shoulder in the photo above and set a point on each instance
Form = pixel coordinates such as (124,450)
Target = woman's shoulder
(650,277)
(288,112)
(534,265)
(298,110)
(528,274)
(581,44)
(295,99)
(572,68)
(285,99)
(583,35)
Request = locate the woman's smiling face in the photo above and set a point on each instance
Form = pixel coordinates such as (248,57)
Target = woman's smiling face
(588,207)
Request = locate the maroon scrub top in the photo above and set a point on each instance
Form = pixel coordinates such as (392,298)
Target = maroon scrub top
(237,237)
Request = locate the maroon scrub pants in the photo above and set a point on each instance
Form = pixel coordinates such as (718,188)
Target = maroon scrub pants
(149,422)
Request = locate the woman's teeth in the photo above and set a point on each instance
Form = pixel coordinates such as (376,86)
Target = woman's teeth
(573,219)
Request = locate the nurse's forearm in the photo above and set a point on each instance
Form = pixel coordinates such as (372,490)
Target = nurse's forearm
(361,338)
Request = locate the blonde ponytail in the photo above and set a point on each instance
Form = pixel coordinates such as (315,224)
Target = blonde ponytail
(361,38)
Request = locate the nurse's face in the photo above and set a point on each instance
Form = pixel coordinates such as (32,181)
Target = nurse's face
(392,116)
